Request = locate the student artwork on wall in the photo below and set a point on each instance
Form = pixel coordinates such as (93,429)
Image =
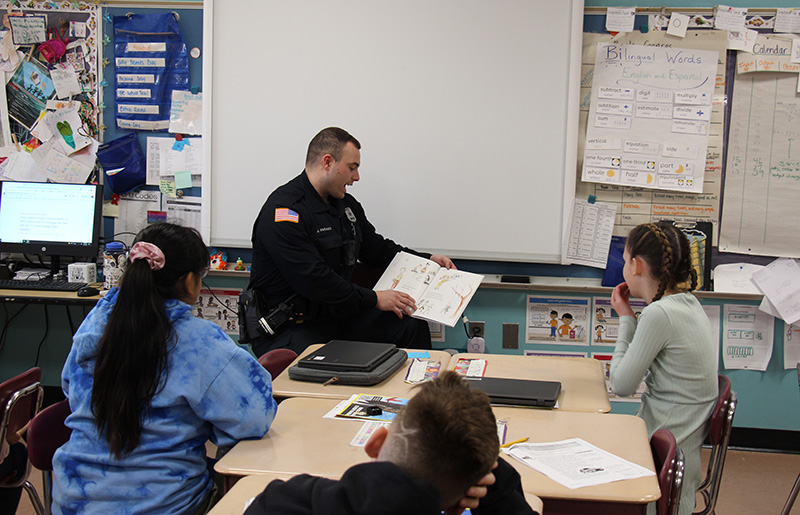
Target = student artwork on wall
(559,320)
(649,117)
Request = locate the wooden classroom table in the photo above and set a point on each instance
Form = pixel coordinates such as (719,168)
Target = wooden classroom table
(395,385)
(301,441)
(233,502)
(583,385)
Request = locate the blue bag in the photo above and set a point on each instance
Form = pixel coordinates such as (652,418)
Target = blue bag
(124,163)
(613,273)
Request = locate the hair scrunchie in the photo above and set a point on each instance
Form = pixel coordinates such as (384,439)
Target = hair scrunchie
(149,252)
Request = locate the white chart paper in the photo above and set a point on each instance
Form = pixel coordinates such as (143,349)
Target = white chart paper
(635,205)
(762,186)
(649,117)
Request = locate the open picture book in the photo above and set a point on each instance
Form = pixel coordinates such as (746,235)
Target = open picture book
(441,294)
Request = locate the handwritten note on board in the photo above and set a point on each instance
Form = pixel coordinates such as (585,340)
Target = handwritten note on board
(762,182)
(26,30)
(186,114)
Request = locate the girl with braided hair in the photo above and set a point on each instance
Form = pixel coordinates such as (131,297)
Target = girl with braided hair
(672,339)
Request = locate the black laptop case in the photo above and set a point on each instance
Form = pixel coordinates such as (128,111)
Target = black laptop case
(518,392)
(374,366)
(348,356)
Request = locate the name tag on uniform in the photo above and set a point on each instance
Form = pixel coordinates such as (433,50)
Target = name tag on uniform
(284,214)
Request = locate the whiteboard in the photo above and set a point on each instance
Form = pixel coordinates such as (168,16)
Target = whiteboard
(466,110)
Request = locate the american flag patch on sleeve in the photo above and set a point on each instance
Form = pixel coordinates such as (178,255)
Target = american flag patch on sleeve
(284,214)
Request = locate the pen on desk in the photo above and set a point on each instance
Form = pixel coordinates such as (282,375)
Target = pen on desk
(509,444)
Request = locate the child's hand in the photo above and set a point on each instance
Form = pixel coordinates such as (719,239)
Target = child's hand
(473,495)
(620,300)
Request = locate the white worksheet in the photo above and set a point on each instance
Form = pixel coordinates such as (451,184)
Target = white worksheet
(576,463)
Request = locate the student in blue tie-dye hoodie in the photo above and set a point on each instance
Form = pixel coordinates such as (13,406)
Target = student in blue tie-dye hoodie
(149,384)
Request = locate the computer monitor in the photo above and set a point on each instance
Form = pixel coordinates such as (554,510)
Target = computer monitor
(50,219)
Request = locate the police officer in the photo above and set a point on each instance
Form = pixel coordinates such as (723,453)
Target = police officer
(306,241)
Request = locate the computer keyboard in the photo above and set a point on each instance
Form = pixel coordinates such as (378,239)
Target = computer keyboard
(41,285)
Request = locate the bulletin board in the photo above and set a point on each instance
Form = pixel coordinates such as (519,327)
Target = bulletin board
(466,110)
(23,108)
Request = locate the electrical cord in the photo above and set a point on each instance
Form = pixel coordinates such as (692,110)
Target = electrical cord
(69,318)
(465,321)
(222,304)
(46,331)
(8,322)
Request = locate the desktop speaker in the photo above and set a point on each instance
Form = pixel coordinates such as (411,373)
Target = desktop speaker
(82,273)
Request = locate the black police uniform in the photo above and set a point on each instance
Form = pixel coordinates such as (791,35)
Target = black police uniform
(304,245)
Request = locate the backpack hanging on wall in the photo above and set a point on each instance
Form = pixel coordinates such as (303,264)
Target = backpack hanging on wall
(54,48)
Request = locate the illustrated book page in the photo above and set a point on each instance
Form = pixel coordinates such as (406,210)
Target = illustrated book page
(441,294)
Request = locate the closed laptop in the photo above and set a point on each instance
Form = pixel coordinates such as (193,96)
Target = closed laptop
(519,392)
(348,356)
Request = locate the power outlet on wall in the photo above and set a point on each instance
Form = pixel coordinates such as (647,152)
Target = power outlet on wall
(510,336)
(477,329)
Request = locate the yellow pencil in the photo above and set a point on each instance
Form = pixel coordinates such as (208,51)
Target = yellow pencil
(509,444)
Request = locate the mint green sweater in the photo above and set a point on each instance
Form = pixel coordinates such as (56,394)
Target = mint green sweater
(672,339)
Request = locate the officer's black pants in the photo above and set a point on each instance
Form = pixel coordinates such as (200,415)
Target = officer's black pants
(372,325)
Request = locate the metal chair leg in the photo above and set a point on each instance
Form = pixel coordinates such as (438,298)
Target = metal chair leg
(792,496)
(34,497)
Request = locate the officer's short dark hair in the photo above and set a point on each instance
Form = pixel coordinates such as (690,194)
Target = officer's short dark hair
(329,141)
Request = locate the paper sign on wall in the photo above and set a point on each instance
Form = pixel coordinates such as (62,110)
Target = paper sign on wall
(26,30)
(656,101)
(186,115)
(747,337)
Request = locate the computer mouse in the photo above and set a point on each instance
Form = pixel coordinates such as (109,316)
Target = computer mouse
(88,291)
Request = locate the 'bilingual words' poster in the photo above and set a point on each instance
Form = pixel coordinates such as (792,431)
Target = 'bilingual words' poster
(649,117)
